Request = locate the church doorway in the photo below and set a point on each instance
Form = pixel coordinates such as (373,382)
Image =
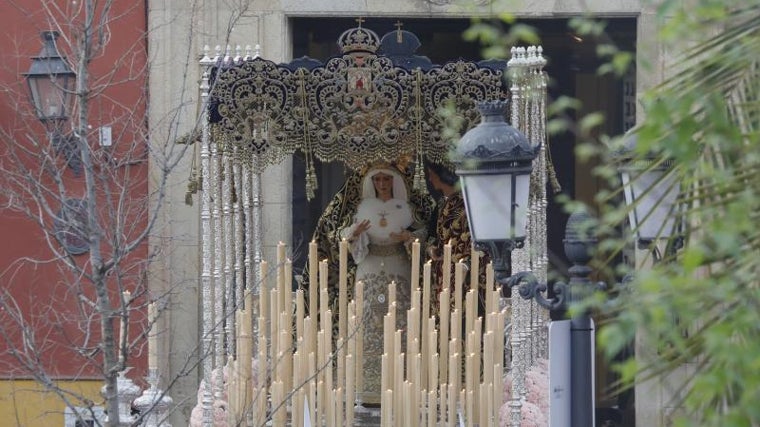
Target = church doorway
(572,70)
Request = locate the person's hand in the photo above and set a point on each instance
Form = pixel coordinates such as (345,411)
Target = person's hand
(359,229)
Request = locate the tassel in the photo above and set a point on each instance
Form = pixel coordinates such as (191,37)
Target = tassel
(311,183)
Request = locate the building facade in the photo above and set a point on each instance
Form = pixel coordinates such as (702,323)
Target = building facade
(289,29)
(50,334)
(176,31)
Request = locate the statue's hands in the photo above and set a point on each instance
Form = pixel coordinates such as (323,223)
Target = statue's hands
(401,236)
(359,229)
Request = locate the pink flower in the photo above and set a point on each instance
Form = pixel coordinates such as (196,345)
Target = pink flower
(220,415)
(535,408)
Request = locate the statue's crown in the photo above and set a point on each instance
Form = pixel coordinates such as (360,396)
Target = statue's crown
(398,166)
(359,40)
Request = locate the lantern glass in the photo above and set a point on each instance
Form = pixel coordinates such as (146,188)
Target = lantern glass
(496,205)
(51,95)
(651,196)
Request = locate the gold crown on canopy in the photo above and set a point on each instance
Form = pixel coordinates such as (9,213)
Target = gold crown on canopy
(359,40)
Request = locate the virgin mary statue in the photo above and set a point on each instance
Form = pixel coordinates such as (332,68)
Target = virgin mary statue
(380,217)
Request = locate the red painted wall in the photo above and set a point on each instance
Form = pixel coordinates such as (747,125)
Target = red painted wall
(47,295)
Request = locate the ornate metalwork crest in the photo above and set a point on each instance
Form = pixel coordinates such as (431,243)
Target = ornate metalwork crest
(356,108)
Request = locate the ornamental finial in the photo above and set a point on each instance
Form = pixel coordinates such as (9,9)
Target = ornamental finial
(359,40)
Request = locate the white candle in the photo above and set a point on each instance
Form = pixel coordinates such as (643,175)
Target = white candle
(456,326)
(288,289)
(298,410)
(245,352)
(424,316)
(321,398)
(498,388)
(426,297)
(411,330)
(343,289)
(286,349)
(474,268)
(398,372)
(262,380)
(489,285)
(447,265)
(443,338)
(359,298)
(384,380)
(323,302)
(470,408)
(489,410)
(350,391)
(471,309)
(433,374)
(328,337)
(330,401)
(452,405)
(431,403)
(408,401)
(341,378)
(320,362)
(278,402)
(264,292)
(309,336)
(313,278)
(391,295)
(300,307)
(476,344)
(443,404)
(281,277)
(488,353)
(415,282)
(469,384)
(312,387)
(338,419)
(388,329)
(459,270)
(388,397)
(231,390)
(274,330)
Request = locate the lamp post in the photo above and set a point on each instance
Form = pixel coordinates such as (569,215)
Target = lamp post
(494,161)
(51,87)
(651,194)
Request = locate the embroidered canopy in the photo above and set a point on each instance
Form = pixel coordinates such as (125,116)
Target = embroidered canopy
(378,100)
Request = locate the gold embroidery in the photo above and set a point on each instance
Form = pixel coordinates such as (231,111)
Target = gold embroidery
(386,250)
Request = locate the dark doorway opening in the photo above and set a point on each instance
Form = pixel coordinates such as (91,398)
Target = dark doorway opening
(573,71)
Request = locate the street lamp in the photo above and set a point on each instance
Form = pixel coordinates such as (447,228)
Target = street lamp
(494,161)
(651,194)
(51,87)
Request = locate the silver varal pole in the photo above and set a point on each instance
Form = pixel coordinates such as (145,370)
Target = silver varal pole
(206,242)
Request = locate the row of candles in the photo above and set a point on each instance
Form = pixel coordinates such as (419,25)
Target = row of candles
(447,371)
